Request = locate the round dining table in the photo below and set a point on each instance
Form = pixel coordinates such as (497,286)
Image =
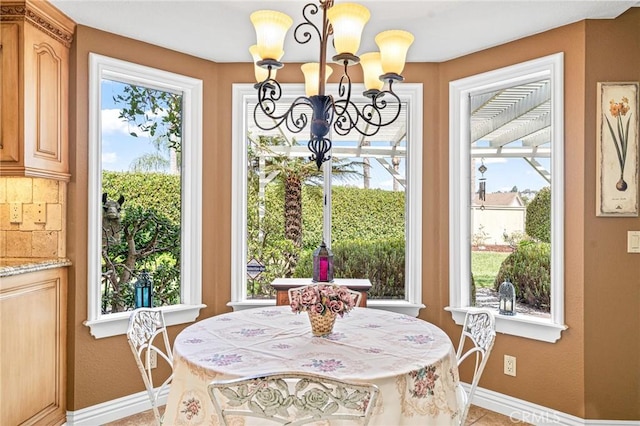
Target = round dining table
(411,361)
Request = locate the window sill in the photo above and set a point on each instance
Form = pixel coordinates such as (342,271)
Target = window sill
(521,325)
(398,306)
(116,324)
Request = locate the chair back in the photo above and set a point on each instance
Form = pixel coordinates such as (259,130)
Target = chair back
(147,336)
(480,328)
(294,398)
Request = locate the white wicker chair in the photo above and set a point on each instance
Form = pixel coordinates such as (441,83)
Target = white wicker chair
(479,327)
(147,334)
(283,398)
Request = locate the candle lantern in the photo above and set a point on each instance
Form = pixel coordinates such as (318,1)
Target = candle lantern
(507,297)
(143,296)
(322,264)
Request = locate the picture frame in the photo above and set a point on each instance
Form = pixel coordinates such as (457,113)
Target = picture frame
(617,154)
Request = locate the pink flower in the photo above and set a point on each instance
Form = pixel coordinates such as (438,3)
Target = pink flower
(322,298)
(309,297)
(336,306)
(421,388)
(318,308)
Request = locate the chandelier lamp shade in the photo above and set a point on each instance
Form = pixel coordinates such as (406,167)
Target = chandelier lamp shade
(318,111)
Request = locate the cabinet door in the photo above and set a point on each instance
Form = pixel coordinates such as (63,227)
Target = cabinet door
(46,109)
(9,92)
(33,348)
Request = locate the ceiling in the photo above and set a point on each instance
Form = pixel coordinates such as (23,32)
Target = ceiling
(220,30)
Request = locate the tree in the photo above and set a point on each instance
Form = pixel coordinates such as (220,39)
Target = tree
(145,235)
(538,223)
(292,173)
(149,162)
(158,113)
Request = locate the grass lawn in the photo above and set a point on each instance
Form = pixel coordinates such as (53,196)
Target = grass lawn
(485,266)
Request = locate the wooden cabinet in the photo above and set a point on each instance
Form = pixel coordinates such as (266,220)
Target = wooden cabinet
(34,75)
(33,320)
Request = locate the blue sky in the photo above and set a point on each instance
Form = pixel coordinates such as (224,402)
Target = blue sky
(119,149)
(503,173)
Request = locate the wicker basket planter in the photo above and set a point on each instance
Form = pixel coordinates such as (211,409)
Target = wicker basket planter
(321,325)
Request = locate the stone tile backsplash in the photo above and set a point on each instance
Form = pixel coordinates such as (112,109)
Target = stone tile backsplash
(32,217)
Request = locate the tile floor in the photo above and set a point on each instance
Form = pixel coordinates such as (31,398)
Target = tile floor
(477,417)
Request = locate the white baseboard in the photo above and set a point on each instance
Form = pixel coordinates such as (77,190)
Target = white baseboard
(115,409)
(520,411)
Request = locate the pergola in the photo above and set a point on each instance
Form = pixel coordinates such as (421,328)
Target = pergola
(509,123)
(513,123)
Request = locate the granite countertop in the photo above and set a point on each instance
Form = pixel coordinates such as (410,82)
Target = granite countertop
(21,265)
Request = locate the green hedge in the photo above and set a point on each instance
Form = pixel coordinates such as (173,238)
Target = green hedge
(382,261)
(158,191)
(528,268)
(152,211)
(538,223)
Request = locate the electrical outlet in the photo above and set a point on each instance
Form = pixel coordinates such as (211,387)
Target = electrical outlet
(153,359)
(510,365)
(633,241)
(40,213)
(15,212)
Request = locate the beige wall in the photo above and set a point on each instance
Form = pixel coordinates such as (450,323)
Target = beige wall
(611,276)
(551,375)
(566,376)
(101,370)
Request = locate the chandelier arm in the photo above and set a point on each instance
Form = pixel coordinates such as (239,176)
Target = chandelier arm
(379,104)
(269,92)
(345,122)
(302,34)
(368,120)
(292,117)
(344,92)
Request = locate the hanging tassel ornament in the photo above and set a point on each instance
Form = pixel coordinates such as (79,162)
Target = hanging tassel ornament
(482,190)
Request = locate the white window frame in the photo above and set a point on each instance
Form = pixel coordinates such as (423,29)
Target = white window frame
(105,325)
(544,329)
(411,93)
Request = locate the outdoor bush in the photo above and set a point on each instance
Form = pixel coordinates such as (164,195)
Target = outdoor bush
(149,239)
(158,191)
(538,222)
(367,214)
(382,261)
(528,268)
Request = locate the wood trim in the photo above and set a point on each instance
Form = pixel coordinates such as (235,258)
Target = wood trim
(42,15)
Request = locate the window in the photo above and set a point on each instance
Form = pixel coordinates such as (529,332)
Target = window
(162,148)
(395,155)
(539,84)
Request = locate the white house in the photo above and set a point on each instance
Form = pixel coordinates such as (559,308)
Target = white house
(501,214)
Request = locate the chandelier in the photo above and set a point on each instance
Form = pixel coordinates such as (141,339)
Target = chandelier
(345,22)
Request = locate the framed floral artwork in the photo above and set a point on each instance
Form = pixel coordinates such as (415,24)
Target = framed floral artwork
(617,149)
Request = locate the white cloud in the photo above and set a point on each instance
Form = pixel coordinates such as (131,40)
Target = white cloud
(112,124)
(109,157)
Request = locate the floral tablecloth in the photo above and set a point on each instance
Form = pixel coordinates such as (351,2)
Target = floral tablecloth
(412,361)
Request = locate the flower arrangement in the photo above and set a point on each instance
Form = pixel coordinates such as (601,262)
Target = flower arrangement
(620,135)
(322,299)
